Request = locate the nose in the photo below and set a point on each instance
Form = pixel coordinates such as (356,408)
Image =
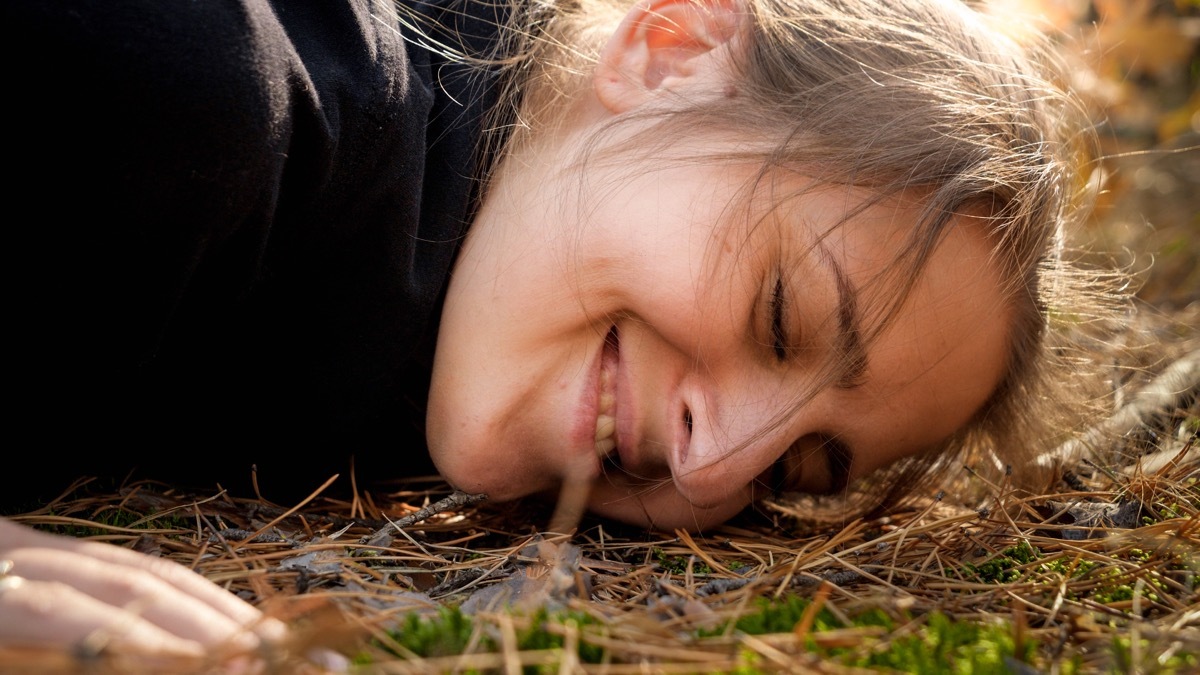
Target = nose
(730,439)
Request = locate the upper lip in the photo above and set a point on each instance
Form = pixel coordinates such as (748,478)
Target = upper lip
(625,456)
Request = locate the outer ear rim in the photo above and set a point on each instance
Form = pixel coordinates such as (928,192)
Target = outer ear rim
(663,45)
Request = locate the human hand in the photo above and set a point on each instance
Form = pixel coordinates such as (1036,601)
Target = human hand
(78,597)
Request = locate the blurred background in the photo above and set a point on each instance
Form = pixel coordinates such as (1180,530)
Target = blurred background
(1136,64)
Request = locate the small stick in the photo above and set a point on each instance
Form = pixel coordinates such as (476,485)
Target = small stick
(457,500)
(810,613)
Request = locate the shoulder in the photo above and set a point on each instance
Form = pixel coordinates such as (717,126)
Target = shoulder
(212,54)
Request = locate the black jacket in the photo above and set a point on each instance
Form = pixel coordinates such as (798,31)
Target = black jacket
(231,225)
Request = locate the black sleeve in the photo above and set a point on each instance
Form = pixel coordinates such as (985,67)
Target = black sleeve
(214,216)
(148,136)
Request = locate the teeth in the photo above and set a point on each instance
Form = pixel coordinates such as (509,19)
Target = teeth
(606,423)
(606,393)
(604,447)
(605,426)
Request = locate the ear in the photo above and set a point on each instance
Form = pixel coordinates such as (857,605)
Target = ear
(664,45)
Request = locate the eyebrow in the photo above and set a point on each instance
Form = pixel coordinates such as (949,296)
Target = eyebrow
(848,344)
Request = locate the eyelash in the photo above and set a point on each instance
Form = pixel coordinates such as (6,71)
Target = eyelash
(778,327)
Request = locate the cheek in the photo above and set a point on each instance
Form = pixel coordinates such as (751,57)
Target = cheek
(495,467)
(477,447)
(938,386)
(662,236)
(453,446)
(699,306)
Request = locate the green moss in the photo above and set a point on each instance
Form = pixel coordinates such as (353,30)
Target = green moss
(942,645)
(1120,586)
(450,631)
(948,646)
(1068,567)
(937,645)
(1114,593)
(537,637)
(1023,552)
(1149,662)
(1002,569)
(678,564)
(1113,585)
(446,634)
(781,616)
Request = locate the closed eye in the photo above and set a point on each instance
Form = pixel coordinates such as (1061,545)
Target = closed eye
(779,337)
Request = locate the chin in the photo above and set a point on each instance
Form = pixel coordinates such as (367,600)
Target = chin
(472,482)
(486,469)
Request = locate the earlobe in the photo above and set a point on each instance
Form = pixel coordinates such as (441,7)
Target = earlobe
(664,45)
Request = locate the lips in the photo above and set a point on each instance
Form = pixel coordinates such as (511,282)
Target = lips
(606,421)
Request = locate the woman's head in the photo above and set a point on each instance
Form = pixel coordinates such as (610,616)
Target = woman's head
(777,244)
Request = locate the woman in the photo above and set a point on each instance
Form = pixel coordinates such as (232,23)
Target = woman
(715,249)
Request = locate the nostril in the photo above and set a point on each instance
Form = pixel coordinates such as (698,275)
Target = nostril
(687,420)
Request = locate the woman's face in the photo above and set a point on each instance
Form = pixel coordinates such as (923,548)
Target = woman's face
(637,327)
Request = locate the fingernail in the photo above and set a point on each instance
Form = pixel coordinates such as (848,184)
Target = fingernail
(328,659)
(271,630)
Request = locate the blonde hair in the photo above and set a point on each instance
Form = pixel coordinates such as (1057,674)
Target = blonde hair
(923,97)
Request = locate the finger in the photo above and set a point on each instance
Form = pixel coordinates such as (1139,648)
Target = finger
(182,578)
(13,536)
(52,614)
(136,590)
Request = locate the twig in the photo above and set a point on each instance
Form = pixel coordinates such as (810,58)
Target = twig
(457,500)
